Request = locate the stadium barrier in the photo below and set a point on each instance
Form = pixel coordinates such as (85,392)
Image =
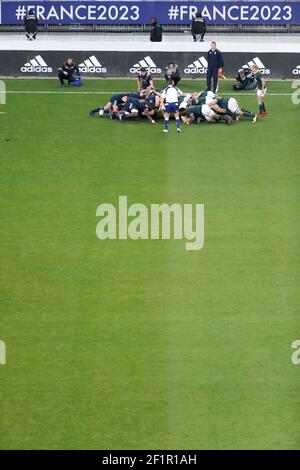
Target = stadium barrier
(134,15)
(107,64)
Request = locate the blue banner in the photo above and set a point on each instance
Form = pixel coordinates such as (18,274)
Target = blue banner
(140,12)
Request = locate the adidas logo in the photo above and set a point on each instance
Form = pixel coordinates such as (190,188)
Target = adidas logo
(296,71)
(91,65)
(199,66)
(37,65)
(258,62)
(148,63)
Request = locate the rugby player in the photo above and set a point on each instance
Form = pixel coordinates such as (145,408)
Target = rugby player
(152,106)
(184,102)
(230,106)
(144,80)
(261,89)
(204,97)
(114,105)
(136,107)
(203,112)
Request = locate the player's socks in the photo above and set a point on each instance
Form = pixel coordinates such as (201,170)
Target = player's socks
(96,110)
(264,108)
(261,109)
(248,114)
(178,124)
(166,124)
(224,118)
(231,114)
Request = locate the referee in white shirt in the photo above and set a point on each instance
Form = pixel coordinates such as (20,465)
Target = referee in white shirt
(170,102)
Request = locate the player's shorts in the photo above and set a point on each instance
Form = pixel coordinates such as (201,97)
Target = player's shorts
(261,93)
(138,109)
(133,110)
(207,112)
(134,106)
(233,106)
(183,105)
(172,108)
(209,100)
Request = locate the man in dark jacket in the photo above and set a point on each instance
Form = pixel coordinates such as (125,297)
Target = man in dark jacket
(67,72)
(31,24)
(245,79)
(198,27)
(215,64)
(172,71)
(156,30)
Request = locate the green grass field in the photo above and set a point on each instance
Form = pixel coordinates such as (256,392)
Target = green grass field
(123,344)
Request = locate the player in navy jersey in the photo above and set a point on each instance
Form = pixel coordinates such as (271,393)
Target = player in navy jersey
(144,80)
(115,104)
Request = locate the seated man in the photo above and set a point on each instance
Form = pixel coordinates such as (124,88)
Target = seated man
(172,72)
(244,79)
(31,24)
(67,72)
(198,27)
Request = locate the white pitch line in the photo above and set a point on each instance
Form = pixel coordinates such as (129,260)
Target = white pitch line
(26,92)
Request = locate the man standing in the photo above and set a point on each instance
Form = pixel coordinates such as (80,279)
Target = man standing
(198,27)
(67,72)
(169,102)
(156,30)
(261,89)
(215,65)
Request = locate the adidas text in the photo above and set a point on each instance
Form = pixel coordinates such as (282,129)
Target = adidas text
(38,69)
(36,65)
(86,69)
(150,70)
(296,71)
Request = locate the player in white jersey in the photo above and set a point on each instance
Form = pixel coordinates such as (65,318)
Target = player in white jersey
(169,99)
